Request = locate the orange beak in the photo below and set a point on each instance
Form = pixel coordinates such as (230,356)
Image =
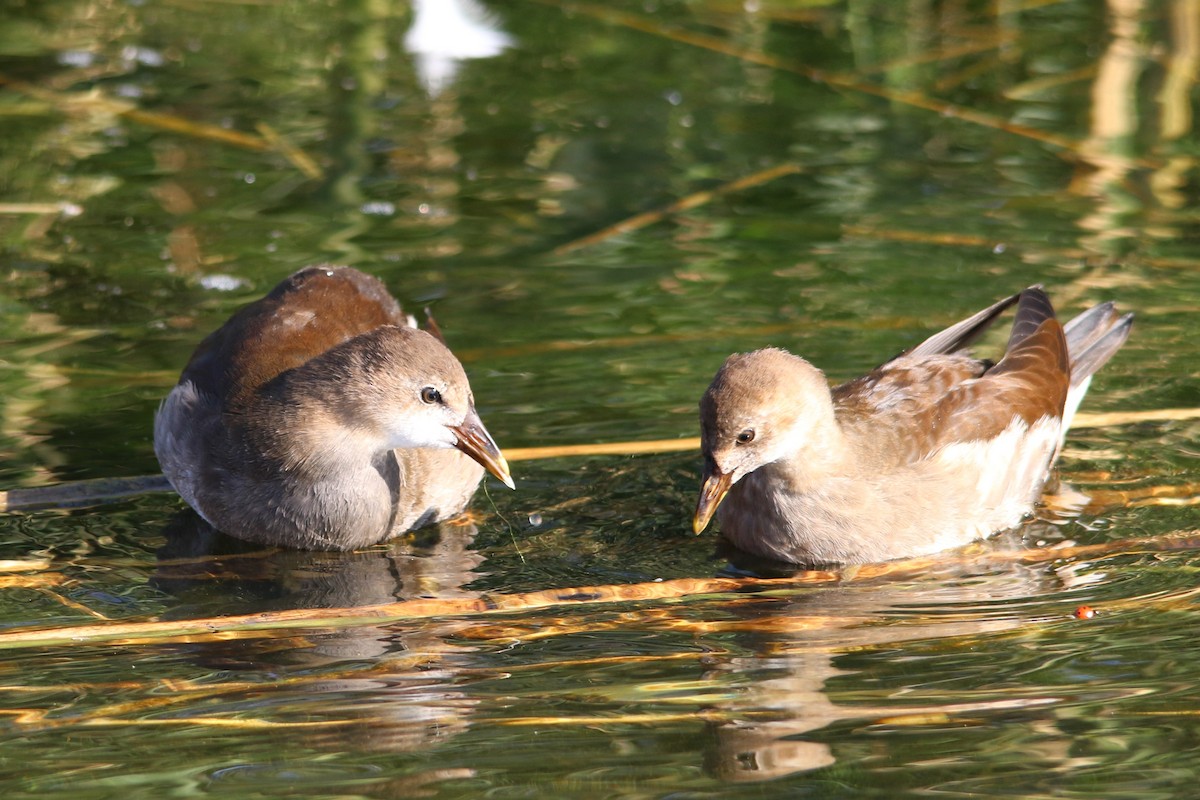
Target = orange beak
(475,441)
(712,491)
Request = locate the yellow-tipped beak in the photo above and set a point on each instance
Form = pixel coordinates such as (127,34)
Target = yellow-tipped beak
(475,441)
(712,492)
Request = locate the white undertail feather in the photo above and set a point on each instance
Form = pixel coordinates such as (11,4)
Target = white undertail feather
(1011,469)
(1074,397)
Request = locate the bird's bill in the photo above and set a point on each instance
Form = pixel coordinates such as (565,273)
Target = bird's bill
(712,491)
(475,441)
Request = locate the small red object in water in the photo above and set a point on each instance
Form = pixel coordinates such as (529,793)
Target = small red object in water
(1085,612)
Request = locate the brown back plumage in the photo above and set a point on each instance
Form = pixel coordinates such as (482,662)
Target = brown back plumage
(307,314)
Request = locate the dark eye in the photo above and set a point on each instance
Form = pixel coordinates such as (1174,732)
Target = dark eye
(430,395)
(746,436)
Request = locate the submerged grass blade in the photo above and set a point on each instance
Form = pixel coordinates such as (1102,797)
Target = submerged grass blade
(639,221)
(80,493)
(845,82)
(97,102)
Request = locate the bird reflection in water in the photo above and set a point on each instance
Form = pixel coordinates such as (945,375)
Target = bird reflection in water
(772,728)
(392,687)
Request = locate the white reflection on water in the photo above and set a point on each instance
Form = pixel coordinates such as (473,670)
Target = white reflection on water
(445,32)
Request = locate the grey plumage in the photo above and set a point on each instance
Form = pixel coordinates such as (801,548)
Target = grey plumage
(318,418)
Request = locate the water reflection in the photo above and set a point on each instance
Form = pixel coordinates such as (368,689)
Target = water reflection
(391,688)
(1134,164)
(1062,130)
(446,32)
(436,561)
(797,645)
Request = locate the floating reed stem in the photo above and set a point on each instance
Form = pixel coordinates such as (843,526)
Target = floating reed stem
(659,592)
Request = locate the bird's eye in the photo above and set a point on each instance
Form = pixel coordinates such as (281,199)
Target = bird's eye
(746,436)
(430,395)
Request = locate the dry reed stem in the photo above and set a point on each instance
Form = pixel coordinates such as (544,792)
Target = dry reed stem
(663,619)
(707,714)
(143,705)
(1109,419)
(389,666)
(210,722)
(24,564)
(186,691)
(790,624)
(69,209)
(917,715)
(1100,501)
(249,625)
(1165,500)
(648,447)
(182,691)
(1115,419)
(40,580)
(664,592)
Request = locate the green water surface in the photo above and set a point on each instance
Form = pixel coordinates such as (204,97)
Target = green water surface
(903,164)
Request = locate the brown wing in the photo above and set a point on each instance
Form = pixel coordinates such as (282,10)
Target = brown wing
(1029,383)
(913,406)
(892,411)
(306,314)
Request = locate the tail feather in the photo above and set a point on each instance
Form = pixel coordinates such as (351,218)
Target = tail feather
(1093,337)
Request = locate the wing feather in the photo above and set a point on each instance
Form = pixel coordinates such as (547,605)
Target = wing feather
(914,405)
